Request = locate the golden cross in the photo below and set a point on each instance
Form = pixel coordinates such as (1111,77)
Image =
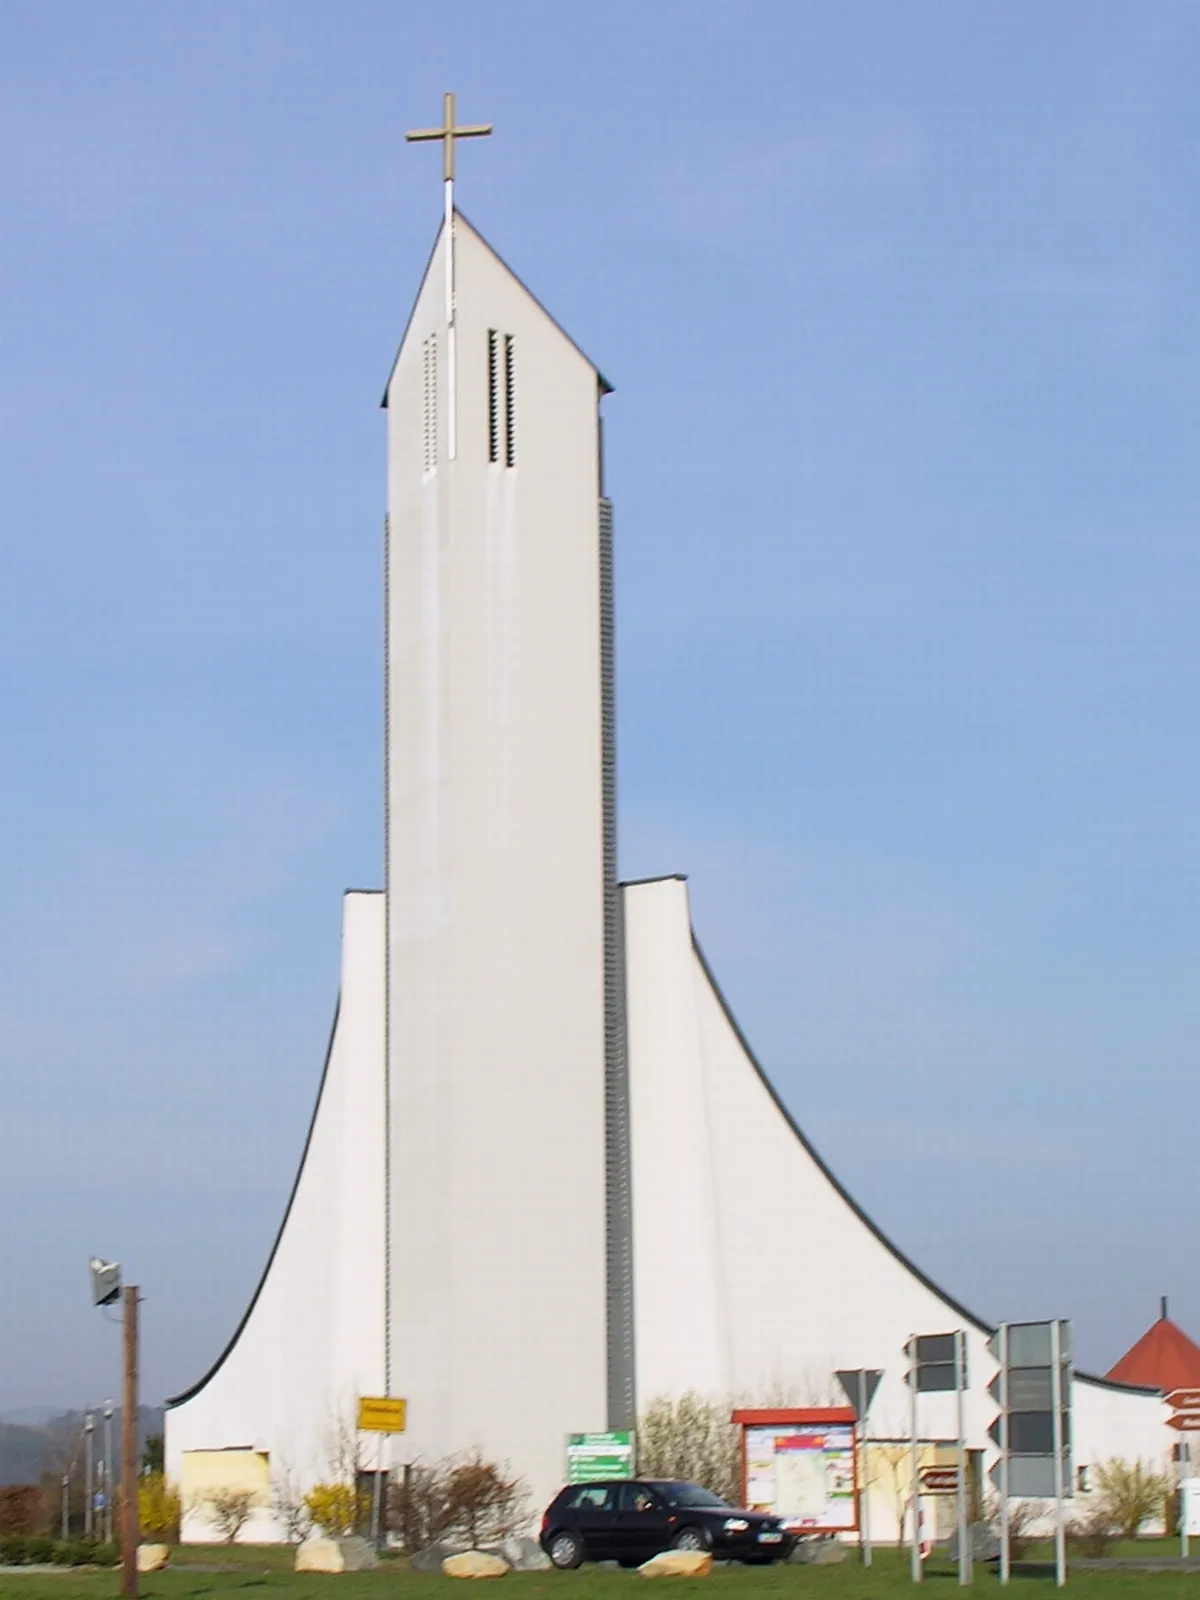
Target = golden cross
(447,133)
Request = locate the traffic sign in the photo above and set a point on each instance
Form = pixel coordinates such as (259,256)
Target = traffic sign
(860,1386)
(1185,1421)
(939,1480)
(1184,1399)
(935,1364)
(381,1414)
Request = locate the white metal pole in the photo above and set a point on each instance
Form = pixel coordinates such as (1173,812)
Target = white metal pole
(88,1474)
(915,1567)
(964,1550)
(1185,1453)
(375,1498)
(1060,1526)
(864,1493)
(1005,1558)
(108,1471)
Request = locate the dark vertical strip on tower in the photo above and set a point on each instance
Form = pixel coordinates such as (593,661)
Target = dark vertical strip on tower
(622,1397)
(510,403)
(493,387)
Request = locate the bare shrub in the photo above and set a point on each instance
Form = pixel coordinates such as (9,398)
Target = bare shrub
(1022,1515)
(289,1505)
(463,1498)
(691,1437)
(1091,1531)
(1131,1492)
(229,1510)
(481,1501)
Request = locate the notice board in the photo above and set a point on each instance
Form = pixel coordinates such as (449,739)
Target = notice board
(799,1464)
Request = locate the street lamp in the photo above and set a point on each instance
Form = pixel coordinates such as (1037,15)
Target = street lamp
(108,1471)
(88,1473)
(106,1287)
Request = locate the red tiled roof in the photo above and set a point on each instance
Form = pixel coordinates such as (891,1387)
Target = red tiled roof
(1163,1358)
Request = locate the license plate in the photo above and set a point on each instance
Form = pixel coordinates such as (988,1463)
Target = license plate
(770,1538)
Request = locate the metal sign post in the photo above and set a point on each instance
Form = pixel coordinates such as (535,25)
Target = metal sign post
(1005,1548)
(381,1414)
(1183,1456)
(916,1566)
(1060,1520)
(860,1385)
(964,1532)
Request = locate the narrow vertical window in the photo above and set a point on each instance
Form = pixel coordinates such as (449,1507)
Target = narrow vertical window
(510,404)
(429,352)
(493,380)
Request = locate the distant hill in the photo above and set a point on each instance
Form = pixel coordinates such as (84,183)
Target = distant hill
(28,1450)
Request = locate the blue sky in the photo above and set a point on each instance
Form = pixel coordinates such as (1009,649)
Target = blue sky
(900,304)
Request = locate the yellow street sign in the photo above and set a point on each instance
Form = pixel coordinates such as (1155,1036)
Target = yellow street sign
(380,1414)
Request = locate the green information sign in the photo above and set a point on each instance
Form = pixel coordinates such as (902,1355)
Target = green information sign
(599,1455)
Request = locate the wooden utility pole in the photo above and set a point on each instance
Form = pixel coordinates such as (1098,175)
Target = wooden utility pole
(129,1461)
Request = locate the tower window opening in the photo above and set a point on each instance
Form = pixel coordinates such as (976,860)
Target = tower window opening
(493,380)
(429,352)
(510,403)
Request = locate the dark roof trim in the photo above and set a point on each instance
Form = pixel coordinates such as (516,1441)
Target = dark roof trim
(844,1194)
(190,1394)
(605,386)
(661,877)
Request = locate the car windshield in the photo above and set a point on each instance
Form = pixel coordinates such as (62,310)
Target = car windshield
(691,1494)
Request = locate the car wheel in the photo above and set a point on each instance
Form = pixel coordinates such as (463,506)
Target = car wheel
(565,1550)
(690,1539)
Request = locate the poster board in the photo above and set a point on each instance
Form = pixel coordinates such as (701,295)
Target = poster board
(800,1465)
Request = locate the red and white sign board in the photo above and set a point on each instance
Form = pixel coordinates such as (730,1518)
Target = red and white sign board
(1184,1399)
(1185,1421)
(939,1480)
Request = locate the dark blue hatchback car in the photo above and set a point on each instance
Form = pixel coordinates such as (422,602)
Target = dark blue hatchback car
(630,1520)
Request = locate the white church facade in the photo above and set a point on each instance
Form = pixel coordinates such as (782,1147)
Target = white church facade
(533,1191)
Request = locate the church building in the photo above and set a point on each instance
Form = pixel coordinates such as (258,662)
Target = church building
(546,1181)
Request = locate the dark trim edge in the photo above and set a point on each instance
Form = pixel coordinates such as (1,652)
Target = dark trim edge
(190,1394)
(844,1194)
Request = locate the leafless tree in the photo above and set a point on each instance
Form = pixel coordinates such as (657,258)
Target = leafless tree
(229,1510)
(288,1504)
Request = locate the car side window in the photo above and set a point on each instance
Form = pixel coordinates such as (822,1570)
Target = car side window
(593,1497)
(636,1497)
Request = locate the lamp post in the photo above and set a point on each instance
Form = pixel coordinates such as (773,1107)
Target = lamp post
(108,1472)
(89,1428)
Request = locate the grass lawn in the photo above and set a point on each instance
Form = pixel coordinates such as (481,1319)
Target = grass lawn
(264,1574)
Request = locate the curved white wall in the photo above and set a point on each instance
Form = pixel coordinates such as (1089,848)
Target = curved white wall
(312,1340)
(755,1275)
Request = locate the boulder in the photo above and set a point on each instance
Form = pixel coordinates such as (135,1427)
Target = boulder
(522,1555)
(152,1557)
(475,1564)
(335,1555)
(818,1552)
(430,1559)
(678,1564)
(983,1543)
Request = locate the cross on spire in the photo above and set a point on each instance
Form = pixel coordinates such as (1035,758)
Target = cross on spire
(447,133)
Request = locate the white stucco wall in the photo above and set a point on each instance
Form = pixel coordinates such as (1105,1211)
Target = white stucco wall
(755,1275)
(312,1340)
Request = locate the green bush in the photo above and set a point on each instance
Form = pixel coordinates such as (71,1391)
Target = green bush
(39,1551)
(72,1552)
(12,1549)
(105,1555)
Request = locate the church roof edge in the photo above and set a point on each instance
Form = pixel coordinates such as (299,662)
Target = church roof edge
(605,386)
